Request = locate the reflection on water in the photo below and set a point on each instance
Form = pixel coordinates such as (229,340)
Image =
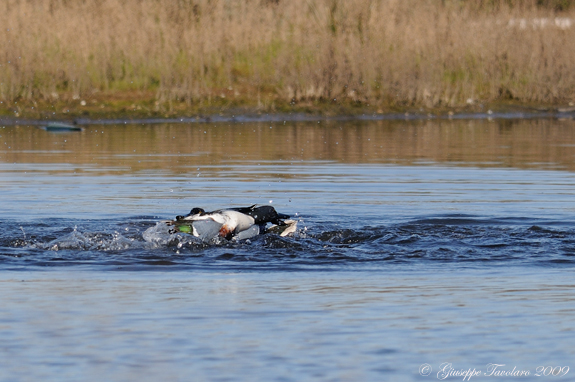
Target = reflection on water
(388,169)
(177,147)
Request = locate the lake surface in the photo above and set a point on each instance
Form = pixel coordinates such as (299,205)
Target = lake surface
(419,242)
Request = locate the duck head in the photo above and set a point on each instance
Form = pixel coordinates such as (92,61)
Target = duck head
(195,211)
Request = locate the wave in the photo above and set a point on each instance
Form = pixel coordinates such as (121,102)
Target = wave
(463,240)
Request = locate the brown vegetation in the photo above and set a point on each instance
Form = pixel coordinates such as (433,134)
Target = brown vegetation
(276,53)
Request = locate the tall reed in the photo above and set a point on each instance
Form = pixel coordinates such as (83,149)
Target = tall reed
(378,52)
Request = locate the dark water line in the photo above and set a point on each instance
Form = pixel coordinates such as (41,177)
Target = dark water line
(297,117)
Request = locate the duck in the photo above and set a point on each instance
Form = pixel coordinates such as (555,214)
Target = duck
(237,223)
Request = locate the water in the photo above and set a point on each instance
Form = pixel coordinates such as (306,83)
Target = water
(418,242)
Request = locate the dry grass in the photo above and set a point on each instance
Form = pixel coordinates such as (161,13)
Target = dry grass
(276,52)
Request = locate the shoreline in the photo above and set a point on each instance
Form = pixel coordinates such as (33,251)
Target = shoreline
(249,116)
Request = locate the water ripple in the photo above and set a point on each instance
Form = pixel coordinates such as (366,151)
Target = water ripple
(432,240)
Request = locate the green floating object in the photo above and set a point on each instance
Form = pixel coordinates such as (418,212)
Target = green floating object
(61,127)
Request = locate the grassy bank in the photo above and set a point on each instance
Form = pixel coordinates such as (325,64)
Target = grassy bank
(160,57)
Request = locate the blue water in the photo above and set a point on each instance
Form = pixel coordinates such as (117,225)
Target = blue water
(418,243)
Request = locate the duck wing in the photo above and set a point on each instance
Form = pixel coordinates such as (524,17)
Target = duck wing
(244,210)
(267,214)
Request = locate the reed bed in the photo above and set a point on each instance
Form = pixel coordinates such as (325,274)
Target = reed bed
(266,53)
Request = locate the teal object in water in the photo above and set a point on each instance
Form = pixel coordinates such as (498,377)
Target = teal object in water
(61,127)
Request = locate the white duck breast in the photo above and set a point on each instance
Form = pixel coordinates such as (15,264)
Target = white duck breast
(235,222)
